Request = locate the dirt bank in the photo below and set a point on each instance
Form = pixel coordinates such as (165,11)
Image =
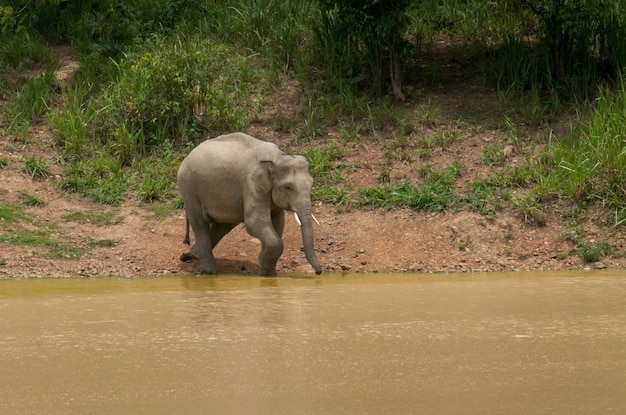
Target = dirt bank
(133,240)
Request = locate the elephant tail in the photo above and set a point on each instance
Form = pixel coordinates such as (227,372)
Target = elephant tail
(186,240)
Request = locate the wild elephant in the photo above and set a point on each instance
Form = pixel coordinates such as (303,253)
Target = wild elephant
(237,178)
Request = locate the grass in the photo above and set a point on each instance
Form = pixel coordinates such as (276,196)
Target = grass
(592,253)
(29,200)
(94,217)
(11,213)
(47,240)
(327,171)
(36,167)
(434,196)
(30,102)
(103,179)
(586,166)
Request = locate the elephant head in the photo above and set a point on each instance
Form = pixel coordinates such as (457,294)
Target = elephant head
(291,190)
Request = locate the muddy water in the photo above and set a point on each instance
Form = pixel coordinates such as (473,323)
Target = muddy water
(385,344)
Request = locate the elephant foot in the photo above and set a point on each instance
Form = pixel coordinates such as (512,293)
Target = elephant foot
(187,256)
(268,272)
(207,267)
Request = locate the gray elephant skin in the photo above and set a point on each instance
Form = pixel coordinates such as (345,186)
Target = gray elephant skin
(237,178)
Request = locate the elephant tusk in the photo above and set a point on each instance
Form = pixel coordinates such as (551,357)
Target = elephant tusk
(300,223)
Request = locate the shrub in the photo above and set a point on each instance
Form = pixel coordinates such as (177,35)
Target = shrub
(173,88)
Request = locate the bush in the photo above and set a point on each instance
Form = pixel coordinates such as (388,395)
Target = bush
(167,92)
(174,88)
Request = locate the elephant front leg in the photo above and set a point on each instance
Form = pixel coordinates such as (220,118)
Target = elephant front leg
(271,248)
(268,257)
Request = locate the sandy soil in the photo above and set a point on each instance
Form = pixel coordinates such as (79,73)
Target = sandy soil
(140,243)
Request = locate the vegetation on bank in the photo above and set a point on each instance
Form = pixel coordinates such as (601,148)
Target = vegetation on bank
(155,78)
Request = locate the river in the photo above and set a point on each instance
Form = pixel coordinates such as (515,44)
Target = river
(493,343)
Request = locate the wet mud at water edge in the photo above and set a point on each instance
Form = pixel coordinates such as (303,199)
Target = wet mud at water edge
(514,343)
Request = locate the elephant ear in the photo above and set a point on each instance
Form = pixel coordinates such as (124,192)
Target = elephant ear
(263,176)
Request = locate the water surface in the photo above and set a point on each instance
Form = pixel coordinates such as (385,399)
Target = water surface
(516,343)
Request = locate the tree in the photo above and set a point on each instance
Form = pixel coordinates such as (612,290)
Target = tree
(366,33)
(581,35)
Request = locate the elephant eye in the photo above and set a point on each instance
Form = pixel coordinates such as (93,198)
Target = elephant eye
(287,187)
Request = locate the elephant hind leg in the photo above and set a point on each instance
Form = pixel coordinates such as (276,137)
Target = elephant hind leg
(186,240)
(202,248)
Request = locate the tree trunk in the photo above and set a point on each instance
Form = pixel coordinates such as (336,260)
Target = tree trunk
(394,72)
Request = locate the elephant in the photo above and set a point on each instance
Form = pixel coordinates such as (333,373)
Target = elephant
(237,178)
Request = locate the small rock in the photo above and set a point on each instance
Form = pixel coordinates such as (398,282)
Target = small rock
(508,151)
(599,265)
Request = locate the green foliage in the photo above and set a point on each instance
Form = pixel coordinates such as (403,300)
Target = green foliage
(592,163)
(43,239)
(581,34)
(102,179)
(30,100)
(94,217)
(10,22)
(483,196)
(29,200)
(577,44)
(360,40)
(493,155)
(435,195)
(280,30)
(586,165)
(167,92)
(48,238)
(104,28)
(17,50)
(175,86)
(36,167)
(33,97)
(322,158)
(333,187)
(336,194)
(592,253)
(11,213)
(155,77)
(172,88)
(71,125)
(154,188)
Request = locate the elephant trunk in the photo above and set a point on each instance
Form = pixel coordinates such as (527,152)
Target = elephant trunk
(304,213)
